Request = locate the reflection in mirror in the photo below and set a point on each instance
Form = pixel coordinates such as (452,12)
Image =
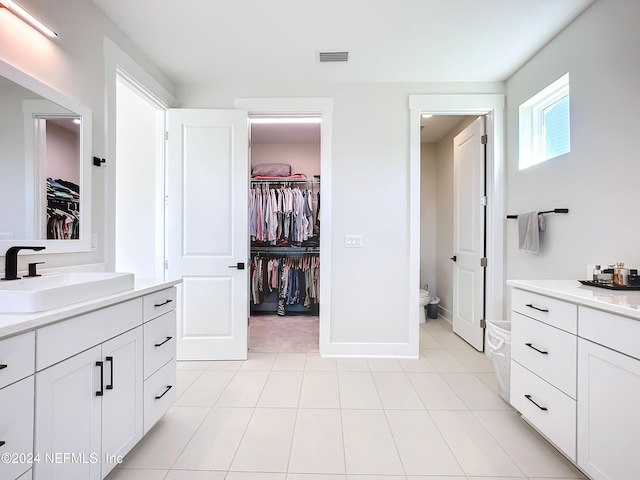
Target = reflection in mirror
(44,153)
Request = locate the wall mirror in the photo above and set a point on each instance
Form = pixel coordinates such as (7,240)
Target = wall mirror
(45,173)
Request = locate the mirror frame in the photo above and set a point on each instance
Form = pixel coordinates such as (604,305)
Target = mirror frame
(83,244)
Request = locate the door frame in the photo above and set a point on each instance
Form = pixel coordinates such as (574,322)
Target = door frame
(491,105)
(322,106)
(119,65)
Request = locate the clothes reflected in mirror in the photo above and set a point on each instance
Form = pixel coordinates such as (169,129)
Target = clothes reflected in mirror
(63,210)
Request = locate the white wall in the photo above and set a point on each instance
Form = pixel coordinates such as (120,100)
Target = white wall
(63,152)
(598,179)
(138,217)
(428,207)
(303,157)
(73,64)
(369,183)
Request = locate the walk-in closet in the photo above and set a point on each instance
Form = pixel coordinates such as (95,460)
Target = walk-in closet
(284,229)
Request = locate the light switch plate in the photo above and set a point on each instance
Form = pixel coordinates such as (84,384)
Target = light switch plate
(353,241)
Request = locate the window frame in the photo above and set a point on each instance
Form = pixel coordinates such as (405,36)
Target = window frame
(532,127)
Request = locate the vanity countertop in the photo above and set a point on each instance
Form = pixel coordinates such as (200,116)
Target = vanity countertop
(625,303)
(15,323)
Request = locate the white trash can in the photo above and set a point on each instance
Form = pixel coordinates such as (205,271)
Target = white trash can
(499,342)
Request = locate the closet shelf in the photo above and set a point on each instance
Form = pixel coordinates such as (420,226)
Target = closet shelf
(285,250)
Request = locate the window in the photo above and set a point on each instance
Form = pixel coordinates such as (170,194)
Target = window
(544,124)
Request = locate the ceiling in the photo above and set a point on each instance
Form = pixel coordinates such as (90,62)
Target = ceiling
(210,42)
(436,127)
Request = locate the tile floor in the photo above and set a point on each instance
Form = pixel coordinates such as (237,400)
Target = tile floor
(296,416)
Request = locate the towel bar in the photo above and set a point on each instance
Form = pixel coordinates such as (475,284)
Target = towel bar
(555,210)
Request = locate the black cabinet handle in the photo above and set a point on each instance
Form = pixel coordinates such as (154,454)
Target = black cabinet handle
(162,343)
(158,397)
(2,442)
(163,303)
(528,397)
(3,366)
(536,349)
(100,392)
(110,360)
(539,309)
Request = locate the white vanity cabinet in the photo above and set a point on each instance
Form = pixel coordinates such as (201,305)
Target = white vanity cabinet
(543,366)
(159,355)
(608,390)
(584,372)
(16,399)
(90,404)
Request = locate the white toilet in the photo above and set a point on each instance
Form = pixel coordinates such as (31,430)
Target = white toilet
(424,301)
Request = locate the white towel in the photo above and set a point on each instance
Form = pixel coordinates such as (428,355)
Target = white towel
(529,227)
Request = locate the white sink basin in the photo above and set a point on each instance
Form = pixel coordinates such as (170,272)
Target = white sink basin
(36,294)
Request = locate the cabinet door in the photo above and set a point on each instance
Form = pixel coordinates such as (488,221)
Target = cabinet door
(68,419)
(16,428)
(608,414)
(122,419)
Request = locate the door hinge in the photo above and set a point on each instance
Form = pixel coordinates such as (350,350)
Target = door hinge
(166,136)
(483,262)
(166,264)
(484,139)
(483,201)
(483,323)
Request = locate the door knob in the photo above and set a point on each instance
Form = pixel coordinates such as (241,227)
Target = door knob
(239,266)
(454,258)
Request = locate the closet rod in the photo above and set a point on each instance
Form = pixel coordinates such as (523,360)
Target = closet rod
(286,250)
(555,210)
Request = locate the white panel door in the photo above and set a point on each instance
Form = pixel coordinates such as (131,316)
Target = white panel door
(208,241)
(468,233)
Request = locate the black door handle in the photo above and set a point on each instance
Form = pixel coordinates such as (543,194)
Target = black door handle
(536,349)
(100,392)
(454,258)
(163,342)
(110,360)
(528,397)
(158,397)
(239,266)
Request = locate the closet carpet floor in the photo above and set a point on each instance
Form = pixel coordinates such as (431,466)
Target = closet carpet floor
(286,334)
(297,416)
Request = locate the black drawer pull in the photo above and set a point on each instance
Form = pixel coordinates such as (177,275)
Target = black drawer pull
(158,397)
(539,309)
(3,366)
(533,401)
(536,349)
(162,343)
(110,360)
(100,392)
(2,442)
(163,303)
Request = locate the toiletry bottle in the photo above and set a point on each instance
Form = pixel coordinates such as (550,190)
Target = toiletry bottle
(596,274)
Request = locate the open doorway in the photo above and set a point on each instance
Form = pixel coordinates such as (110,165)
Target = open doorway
(284,230)
(452,226)
(492,106)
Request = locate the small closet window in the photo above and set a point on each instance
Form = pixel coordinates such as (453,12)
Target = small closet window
(545,124)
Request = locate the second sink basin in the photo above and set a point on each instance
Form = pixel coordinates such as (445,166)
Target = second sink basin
(52,291)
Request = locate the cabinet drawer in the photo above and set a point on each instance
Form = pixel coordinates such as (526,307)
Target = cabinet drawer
(159,303)
(546,351)
(558,422)
(614,331)
(53,343)
(159,342)
(16,427)
(17,358)
(159,394)
(560,314)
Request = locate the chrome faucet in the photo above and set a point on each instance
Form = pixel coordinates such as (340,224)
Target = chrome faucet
(11,261)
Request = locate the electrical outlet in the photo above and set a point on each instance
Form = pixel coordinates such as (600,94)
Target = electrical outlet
(94,241)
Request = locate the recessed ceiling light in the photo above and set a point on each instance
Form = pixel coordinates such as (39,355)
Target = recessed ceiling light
(427,115)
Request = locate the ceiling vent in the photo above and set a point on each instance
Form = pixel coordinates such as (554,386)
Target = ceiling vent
(334,56)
